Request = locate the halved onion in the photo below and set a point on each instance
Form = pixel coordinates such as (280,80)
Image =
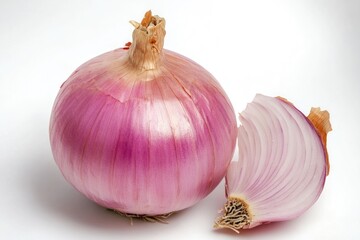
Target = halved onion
(282,164)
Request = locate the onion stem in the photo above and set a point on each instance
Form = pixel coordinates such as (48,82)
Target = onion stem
(145,52)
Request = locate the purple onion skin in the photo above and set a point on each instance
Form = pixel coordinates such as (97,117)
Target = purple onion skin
(140,142)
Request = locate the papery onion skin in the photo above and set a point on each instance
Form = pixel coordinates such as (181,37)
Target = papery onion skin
(144,137)
(282,164)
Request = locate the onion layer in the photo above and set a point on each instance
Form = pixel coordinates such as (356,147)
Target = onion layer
(143,130)
(282,164)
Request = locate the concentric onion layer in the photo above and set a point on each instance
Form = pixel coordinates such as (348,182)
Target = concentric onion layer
(143,142)
(282,164)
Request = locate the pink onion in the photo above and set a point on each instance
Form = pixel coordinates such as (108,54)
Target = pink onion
(143,130)
(282,164)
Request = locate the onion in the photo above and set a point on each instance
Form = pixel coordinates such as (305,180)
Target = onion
(143,130)
(282,164)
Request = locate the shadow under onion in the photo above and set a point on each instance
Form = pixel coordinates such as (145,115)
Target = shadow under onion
(57,197)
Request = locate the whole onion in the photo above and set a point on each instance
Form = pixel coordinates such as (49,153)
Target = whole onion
(143,130)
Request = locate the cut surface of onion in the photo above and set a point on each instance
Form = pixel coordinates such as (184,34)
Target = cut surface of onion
(282,164)
(143,130)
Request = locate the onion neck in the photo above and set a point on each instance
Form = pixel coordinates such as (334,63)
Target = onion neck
(321,122)
(145,52)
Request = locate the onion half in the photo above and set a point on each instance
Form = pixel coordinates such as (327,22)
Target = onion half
(282,165)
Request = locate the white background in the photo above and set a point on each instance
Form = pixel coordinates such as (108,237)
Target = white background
(307,51)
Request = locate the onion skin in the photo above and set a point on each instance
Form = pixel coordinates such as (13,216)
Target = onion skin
(142,139)
(282,165)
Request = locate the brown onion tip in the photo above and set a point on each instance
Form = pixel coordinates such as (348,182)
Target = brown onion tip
(147,19)
(321,122)
(148,40)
